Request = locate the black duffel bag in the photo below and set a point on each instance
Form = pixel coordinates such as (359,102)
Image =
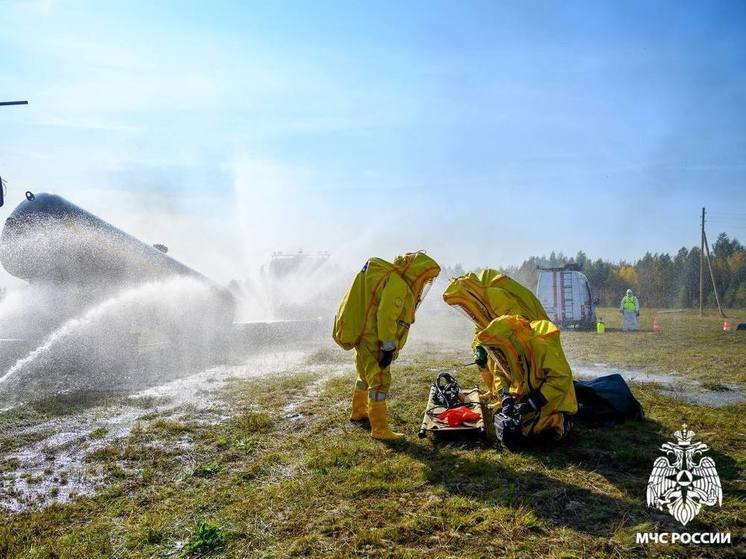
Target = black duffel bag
(606,399)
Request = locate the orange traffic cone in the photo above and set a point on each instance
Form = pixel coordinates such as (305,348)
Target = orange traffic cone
(727,326)
(656,325)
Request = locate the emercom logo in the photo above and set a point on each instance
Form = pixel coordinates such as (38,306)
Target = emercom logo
(682,481)
(683,537)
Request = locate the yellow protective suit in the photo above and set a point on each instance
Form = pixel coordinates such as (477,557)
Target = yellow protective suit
(488,296)
(385,306)
(485,296)
(391,312)
(528,357)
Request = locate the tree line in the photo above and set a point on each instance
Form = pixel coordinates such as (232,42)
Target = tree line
(658,280)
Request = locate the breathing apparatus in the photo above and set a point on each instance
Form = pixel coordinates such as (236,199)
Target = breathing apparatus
(447,392)
(450,406)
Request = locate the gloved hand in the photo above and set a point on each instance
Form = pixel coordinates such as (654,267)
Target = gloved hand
(533,403)
(480,357)
(507,405)
(386,358)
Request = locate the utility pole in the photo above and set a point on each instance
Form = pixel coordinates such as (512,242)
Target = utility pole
(705,246)
(712,277)
(702,265)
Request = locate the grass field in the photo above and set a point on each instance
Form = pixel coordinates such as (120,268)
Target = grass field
(687,344)
(268,483)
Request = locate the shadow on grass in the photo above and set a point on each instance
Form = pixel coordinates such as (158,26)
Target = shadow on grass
(562,493)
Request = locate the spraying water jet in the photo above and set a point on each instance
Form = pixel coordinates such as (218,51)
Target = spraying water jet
(105,309)
(121,312)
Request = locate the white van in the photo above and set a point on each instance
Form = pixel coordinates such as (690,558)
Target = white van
(566,296)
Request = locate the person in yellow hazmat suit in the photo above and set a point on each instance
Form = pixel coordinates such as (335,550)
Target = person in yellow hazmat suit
(374,318)
(485,296)
(518,351)
(534,378)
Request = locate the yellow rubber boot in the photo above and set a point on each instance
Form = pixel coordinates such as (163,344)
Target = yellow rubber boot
(359,405)
(489,381)
(379,422)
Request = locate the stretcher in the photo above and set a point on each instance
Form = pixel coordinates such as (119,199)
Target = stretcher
(442,429)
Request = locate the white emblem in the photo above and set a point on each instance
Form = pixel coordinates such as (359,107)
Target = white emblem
(684,485)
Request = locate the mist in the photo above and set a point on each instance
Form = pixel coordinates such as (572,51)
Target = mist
(130,339)
(328,136)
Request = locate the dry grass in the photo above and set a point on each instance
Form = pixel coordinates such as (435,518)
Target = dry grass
(692,346)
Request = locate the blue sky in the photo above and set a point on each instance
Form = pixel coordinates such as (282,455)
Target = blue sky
(481,132)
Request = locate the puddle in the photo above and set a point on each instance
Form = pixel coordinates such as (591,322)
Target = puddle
(704,397)
(630,375)
(672,384)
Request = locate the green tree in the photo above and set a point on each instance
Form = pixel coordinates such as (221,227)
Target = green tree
(658,279)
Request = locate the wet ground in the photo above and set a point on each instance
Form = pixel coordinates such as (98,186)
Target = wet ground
(52,466)
(670,384)
(48,463)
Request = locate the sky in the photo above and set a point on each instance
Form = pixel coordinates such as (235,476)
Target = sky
(481,132)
